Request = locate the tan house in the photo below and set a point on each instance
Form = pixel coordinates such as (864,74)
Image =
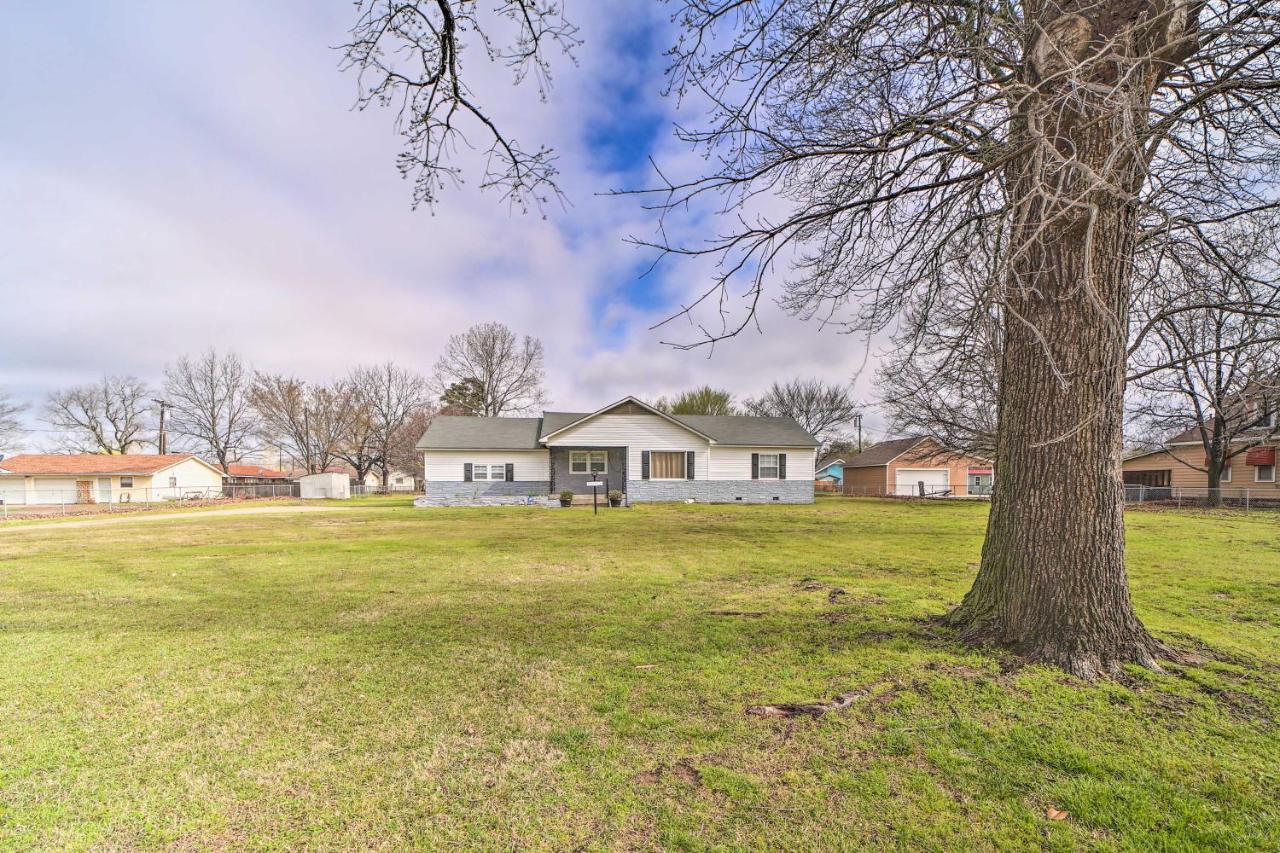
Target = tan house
(1181,464)
(93,478)
(916,467)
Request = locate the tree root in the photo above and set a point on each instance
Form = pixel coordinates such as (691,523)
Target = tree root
(841,702)
(1085,660)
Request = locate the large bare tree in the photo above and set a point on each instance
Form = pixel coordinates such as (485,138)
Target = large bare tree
(209,404)
(359,446)
(109,416)
(309,422)
(867,148)
(11,429)
(392,396)
(502,372)
(824,409)
(1214,370)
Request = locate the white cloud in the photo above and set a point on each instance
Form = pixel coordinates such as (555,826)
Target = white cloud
(181,177)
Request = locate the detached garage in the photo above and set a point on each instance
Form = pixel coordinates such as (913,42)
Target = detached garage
(916,467)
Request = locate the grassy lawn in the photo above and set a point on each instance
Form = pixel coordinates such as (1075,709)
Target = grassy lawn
(498,678)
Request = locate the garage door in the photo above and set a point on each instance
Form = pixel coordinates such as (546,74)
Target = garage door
(936,481)
(13,491)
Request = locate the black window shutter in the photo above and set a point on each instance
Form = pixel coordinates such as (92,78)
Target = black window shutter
(511,471)
(644,464)
(688,465)
(782,466)
(755,466)
(466,472)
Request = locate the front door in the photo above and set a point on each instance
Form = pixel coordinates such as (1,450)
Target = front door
(84,491)
(104,490)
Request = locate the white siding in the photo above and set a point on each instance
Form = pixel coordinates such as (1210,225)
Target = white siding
(445,466)
(637,433)
(190,475)
(734,463)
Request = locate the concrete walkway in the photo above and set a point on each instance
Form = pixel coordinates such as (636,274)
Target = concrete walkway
(191,515)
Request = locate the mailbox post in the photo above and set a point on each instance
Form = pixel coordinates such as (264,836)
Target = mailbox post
(595,496)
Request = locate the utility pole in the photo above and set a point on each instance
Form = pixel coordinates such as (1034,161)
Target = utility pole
(163,443)
(857,419)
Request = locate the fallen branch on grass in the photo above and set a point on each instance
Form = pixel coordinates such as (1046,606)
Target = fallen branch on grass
(812,709)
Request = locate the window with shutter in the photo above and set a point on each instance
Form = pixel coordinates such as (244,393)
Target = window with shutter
(667,465)
(768,466)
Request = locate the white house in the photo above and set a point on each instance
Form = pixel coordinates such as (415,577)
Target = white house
(628,445)
(95,478)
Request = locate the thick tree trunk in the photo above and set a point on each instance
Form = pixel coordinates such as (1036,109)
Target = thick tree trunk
(1052,583)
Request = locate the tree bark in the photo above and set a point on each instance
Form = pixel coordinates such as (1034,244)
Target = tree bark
(1052,584)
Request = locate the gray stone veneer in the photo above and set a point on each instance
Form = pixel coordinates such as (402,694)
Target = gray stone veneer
(722,491)
(467,492)
(454,493)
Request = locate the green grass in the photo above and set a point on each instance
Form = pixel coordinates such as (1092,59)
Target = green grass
(497,678)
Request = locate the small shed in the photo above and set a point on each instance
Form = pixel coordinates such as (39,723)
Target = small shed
(314,486)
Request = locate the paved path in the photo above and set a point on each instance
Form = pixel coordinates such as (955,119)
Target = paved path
(192,515)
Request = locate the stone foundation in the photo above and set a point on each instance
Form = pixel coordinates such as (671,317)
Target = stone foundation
(721,491)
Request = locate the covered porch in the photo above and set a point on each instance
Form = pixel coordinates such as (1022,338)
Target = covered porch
(573,467)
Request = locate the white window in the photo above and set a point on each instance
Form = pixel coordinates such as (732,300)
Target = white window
(768,466)
(126,482)
(173,482)
(588,462)
(667,465)
(1264,474)
(485,472)
(1226,475)
(1266,411)
(479,472)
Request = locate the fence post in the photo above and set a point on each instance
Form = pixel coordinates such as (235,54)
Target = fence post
(1142,494)
(1246,500)
(1178,491)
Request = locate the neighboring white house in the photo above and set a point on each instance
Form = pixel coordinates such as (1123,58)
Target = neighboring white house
(94,478)
(629,446)
(397,480)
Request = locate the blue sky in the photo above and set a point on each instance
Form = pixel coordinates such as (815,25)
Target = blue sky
(175,176)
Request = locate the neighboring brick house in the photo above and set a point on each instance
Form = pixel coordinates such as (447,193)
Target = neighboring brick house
(906,467)
(629,446)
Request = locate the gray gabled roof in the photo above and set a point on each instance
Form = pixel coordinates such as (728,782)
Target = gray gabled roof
(458,432)
(449,432)
(750,430)
(883,452)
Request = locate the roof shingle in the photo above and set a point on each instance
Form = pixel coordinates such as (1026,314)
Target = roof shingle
(90,464)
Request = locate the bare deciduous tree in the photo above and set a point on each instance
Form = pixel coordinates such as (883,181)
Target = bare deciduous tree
(870,148)
(11,429)
(309,422)
(505,371)
(412,54)
(392,396)
(111,416)
(359,445)
(210,409)
(403,454)
(944,383)
(824,409)
(1210,369)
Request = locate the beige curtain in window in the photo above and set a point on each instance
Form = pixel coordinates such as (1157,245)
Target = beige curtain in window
(666,465)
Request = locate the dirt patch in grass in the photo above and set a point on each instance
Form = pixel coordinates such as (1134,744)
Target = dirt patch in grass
(682,770)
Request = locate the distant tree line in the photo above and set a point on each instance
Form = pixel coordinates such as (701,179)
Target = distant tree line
(218,406)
